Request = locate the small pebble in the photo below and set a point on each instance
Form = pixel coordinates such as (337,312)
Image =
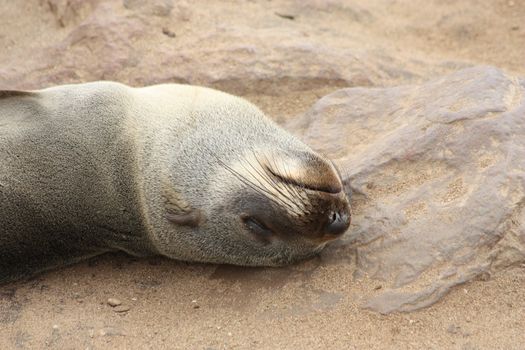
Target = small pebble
(114,302)
(453,329)
(485,276)
(110,331)
(121,308)
(285,16)
(168,33)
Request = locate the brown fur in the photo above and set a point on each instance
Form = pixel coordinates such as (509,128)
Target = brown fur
(186,172)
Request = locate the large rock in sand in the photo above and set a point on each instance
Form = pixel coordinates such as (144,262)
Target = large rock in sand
(162,41)
(438,175)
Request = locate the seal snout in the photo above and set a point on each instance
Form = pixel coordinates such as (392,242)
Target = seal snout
(337,223)
(320,210)
(295,198)
(328,218)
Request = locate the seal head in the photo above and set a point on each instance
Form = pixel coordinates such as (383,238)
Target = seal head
(263,198)
(291,204)
(277,207)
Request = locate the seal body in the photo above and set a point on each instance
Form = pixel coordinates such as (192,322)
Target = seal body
(182,171)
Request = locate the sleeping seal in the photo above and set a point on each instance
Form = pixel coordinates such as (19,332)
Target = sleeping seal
(186,172)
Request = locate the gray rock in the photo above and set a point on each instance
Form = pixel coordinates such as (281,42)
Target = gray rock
(133,42)
(438,175)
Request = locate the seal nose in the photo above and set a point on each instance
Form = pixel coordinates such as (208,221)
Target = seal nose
(337,223)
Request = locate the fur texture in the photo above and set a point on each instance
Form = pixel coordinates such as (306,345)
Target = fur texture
(169,169)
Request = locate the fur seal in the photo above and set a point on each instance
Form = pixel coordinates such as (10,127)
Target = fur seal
(187,172)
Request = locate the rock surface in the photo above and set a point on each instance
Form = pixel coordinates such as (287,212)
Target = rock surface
(438,175)
(144,43)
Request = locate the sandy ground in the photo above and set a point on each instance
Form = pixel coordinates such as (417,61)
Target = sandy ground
(177,305)
(168,304)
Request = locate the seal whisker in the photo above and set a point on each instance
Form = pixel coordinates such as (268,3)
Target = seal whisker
(289,186)
(276,185)
(268,178)
(256,188)
(274,197)
(290,204)
(266,174)
(244,179)
(293,187)
(238,175)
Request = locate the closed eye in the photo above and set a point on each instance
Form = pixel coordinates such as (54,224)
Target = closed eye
(257,227)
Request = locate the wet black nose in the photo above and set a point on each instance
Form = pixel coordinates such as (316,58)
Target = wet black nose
(337,224)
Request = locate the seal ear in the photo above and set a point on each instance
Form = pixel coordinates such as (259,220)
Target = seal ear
(191,218)
(179,212)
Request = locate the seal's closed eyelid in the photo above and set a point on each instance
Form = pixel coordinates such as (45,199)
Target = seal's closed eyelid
(258,227)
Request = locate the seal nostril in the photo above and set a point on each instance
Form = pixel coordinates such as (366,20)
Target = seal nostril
(337,223)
